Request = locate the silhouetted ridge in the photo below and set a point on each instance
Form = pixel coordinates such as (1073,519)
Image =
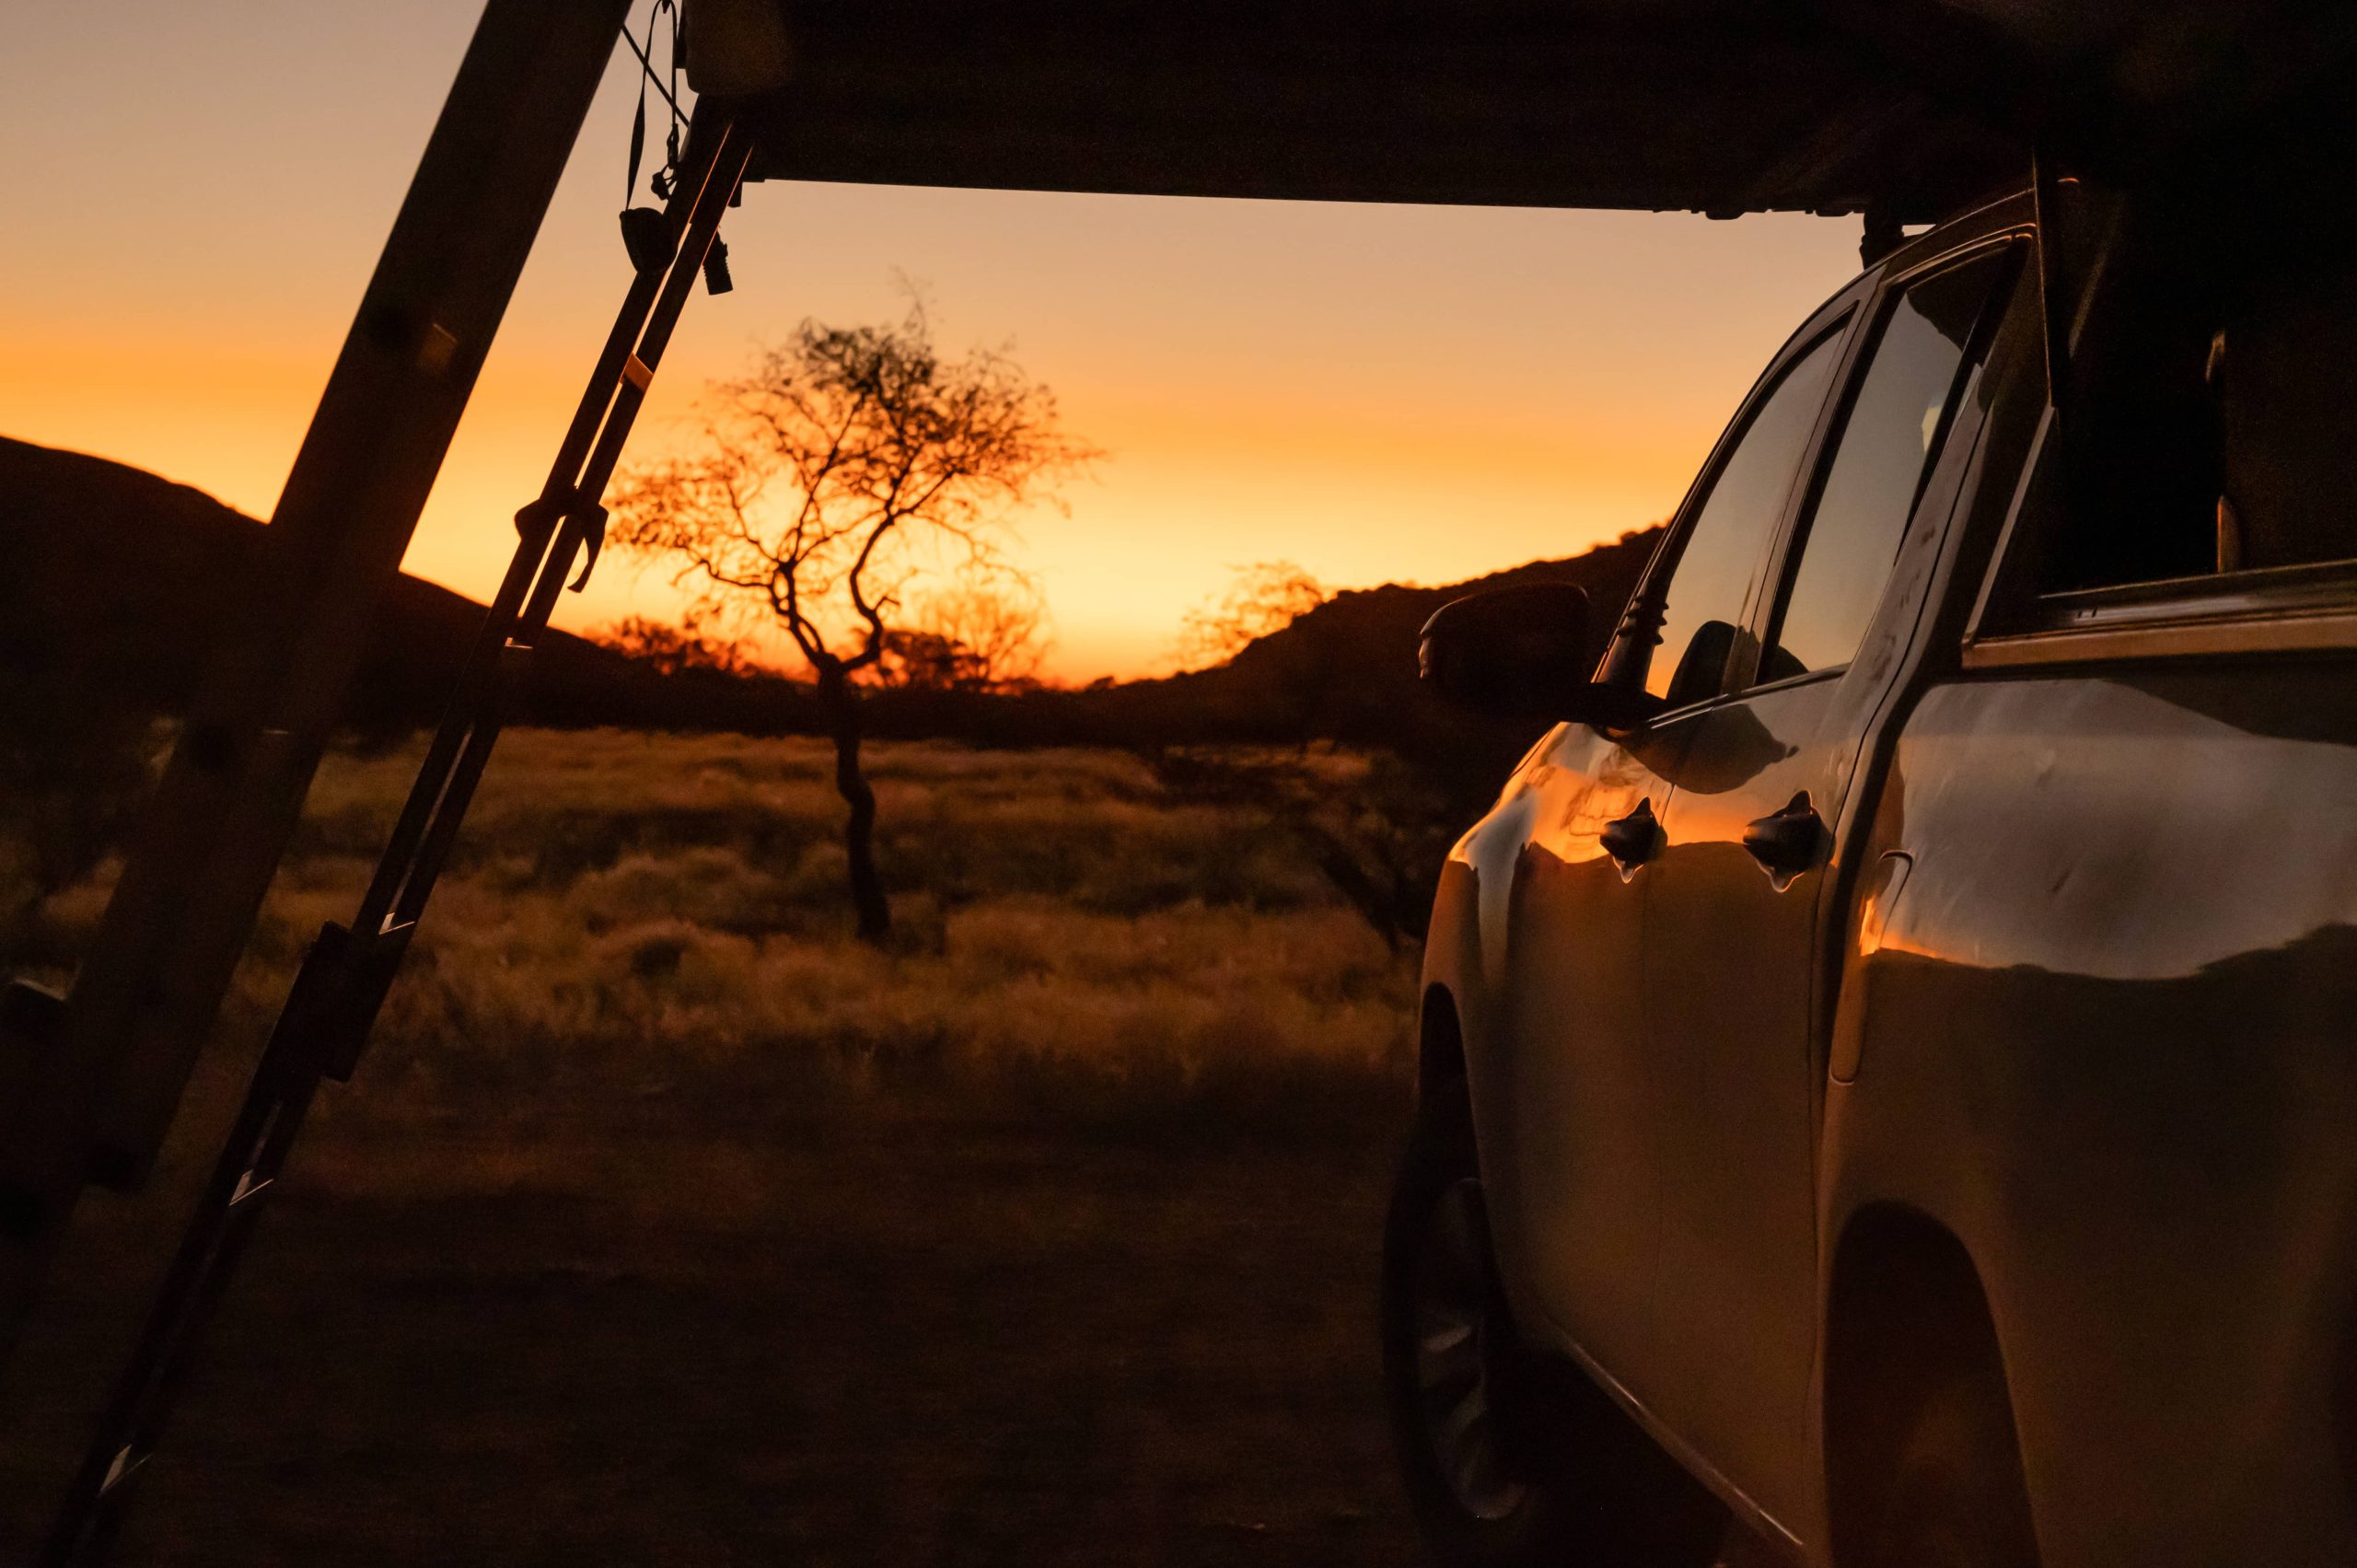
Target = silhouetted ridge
(129,578)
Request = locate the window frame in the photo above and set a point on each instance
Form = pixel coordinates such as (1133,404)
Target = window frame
(1791,550)
(1837,318)
(2258,610)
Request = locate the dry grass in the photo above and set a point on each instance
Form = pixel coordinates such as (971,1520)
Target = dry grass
(664,1223)
(632,919)
(652,918)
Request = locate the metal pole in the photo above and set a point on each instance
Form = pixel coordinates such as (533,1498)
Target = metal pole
(97,1103)
(334,998)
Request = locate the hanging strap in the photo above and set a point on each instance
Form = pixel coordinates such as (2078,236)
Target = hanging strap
(666,178)
(671,139)
(637,142)
(637,123)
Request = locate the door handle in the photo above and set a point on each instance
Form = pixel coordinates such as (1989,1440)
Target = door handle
(1789,842)
(1632,839)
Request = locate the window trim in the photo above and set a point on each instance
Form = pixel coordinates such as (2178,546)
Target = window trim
(2007,245)
(1785,684)
(1837,318)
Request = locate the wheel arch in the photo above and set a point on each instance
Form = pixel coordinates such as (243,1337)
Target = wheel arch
(1907,1315)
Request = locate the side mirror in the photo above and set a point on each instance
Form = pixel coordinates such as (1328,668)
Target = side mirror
(1524,653)
(1518,653)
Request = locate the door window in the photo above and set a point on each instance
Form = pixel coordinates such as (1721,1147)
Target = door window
(1731,531)
(2212,432)
(1880,461)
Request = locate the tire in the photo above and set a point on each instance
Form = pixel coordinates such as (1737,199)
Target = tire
(1955,1497)
(1510,1460)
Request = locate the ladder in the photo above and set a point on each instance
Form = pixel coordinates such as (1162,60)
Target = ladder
(323,1026)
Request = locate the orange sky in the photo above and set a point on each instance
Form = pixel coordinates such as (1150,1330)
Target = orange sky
(1378,393)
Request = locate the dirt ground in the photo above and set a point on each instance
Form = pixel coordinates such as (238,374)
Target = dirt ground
(664,1223)
(908,1341)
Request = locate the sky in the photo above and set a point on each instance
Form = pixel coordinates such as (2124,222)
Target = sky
(1379,394)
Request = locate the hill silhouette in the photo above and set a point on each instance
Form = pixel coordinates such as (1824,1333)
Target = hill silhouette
(126,579)
(1347,670)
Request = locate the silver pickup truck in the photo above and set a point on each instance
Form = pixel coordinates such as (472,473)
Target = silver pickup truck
(1888,1072)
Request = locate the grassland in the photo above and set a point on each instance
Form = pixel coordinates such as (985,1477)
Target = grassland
(665,1223)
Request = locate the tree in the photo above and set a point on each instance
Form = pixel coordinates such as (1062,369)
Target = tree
(1261,598)
(1303,675)
(1266,597)
(977,635)
(672,649)
(853,466)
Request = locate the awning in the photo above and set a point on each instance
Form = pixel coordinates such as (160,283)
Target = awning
(1721,106)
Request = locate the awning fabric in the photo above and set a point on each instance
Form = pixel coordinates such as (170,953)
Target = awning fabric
(1913,106)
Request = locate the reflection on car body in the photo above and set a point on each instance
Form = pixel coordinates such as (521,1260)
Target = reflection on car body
(1898,1025)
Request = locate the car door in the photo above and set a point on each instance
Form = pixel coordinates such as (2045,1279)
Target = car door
(1566,859)
(1732,911)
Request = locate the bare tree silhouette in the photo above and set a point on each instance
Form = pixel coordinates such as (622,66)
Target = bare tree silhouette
(979,635)
(1265,597)
(851,467)
(693,643)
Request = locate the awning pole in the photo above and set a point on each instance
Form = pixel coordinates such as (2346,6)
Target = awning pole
(93,1098)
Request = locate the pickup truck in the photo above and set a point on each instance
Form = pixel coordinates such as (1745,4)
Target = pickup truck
(1888,1059)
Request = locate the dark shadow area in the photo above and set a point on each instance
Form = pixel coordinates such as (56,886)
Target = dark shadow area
(666,1222)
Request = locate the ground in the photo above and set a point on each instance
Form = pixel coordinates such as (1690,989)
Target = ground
(666,1224)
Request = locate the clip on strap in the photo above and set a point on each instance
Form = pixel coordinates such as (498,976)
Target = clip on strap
(593,540)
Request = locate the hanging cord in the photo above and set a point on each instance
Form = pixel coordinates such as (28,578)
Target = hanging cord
(666,178)
(644,234)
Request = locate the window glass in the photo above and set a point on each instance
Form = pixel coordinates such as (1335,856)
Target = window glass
(2212,412)
(2279,370)
(1723,548)
(1880,463)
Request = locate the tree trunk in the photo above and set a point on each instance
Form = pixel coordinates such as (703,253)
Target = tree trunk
(839,697)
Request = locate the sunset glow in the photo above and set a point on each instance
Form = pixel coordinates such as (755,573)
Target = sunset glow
(1380,394)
